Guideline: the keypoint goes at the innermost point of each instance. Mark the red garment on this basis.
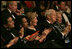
(28, 4)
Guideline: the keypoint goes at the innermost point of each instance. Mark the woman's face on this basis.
(59, 18)
(34, 21)
(24, 21)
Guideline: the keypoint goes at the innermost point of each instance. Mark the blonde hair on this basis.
(32, 16)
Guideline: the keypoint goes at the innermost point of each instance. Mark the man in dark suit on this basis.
(9, 35)
(49, 33)
(52, 35)
(11, 8)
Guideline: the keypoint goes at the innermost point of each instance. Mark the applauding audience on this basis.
(32, 24)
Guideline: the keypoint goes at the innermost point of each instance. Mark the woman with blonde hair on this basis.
(32, 32)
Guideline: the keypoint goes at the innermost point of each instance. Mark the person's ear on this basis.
(10, 5)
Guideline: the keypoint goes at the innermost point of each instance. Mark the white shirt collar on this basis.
(48, 21)
(9, 10)
(32, 28)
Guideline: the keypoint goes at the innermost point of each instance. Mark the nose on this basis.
(36, 20)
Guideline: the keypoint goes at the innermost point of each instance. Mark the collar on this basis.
(48, 21)
(32, 28)
(8, 29)
(9, 10)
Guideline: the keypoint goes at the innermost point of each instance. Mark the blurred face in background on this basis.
(13, 6)
(62, 6)
(68, 3)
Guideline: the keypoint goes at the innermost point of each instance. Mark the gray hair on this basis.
(49, 12)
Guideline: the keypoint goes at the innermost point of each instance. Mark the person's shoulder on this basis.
(5, 10)
(45, 23)
(3, 28)
(3, 31)
(26, 30)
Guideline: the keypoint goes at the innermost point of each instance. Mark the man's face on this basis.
(24, 21)
(53, 16)
(59, 18)
(14, 6)
(10, 23)
(62, 5)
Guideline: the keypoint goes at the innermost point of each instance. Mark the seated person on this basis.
(21, 8)
(50, 19)
(31, 32)
(11, 9)
(64, 30)
(8, 32)
(59, 20)
(21, 24)
(49, 32)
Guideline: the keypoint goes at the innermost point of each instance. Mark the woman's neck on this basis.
(32, 27)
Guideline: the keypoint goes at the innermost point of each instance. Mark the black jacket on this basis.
(6, 12)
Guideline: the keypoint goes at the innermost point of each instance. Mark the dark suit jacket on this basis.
(6, 12)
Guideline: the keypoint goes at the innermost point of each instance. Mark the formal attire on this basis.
(30, 44)
(9, 12)
(54, 38)
(8, 34)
